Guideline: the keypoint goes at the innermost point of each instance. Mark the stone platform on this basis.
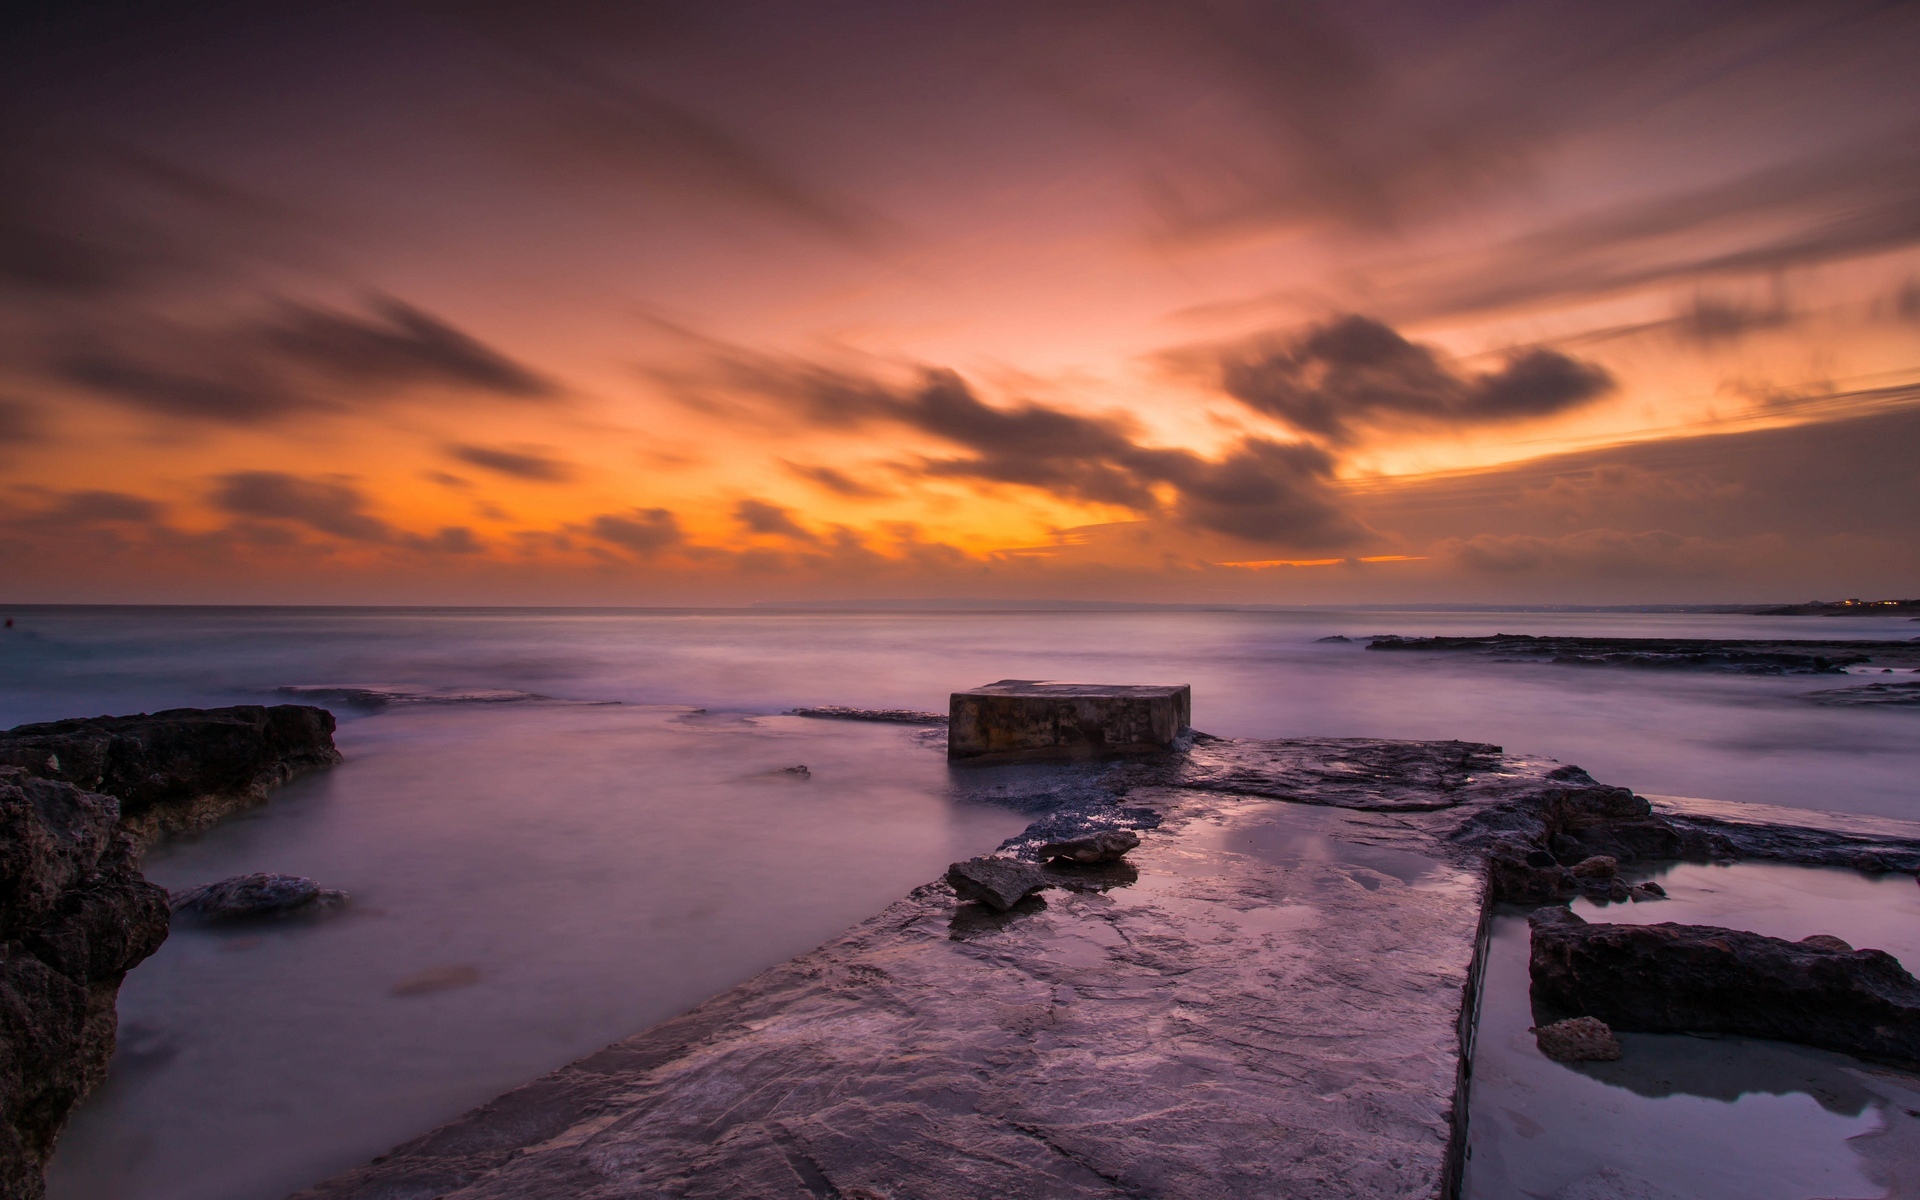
(1274, 999)
(1022, 719)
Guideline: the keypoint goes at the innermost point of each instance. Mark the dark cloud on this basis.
(1354, 373)
(231, 393)
(1261, 490)
(521, 464)
(93, 507)
(645, 531)
(299, 360)
(837, 482)
(395, 345)
(327, 506)
(451, 539)
(758, 516)
(20, 422)
(1712, 319)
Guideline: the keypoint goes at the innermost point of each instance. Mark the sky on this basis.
(1219, 301)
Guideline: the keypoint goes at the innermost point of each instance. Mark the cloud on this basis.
(1354, 373)
(92, 507)
(451, 539)
(395, 345)
(758, 516)
(1261, 490)
(327, 506)
(646, 532)
(20, 422)
(524, 463)
(297, 360)
(837, 482)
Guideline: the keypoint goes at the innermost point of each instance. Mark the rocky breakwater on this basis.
(180, 770)
(78, 801)
(75, 917)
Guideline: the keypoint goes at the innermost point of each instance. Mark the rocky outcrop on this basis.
(178, 770)
(1703, 979)
(1577, 1039)
(1750, 656)
(247, 897)
(888, 716)
(998, 883)
(1106, 846)
(75, 916)
(1017, 720)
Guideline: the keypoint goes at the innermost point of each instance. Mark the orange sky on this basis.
(1252, 302)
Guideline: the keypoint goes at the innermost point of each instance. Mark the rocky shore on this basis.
(78, 801)
(1271, 995)
(1746, 656)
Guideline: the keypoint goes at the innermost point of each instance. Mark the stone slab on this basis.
(1021, 719)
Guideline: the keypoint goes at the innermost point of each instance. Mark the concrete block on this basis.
(1027, 719)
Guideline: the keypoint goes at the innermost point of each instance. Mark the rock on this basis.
(1826, 941)
(798, 771)
(1598, 866)
(1641, 892)
(1018, 719)
(257, 895)
(75, 916)
(1334, 638)
(178, 770)
(998, 883)
(1577, 1039)
(1770, 656)
(1519, 874)
(1673, 978)
(891, 716)
(1109, 845)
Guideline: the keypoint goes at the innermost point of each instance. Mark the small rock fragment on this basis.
(260, 894)
(1646, 891)
(1618, 891)
(1578, 1039)
(998, 883)
(1109, 845)
(798, 772)
(1597, 866)
(1826, 941)
(1651, 886)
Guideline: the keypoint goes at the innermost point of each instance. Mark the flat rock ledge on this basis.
(180, 770)
(1270, 997)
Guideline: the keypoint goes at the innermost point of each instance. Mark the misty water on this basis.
(533, 878)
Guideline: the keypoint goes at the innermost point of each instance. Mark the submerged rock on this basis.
(178, 770)
(1672, 978)
(998, 883)
(75, 916)
(889, 716)
(1109, 845)
(257, 895)
(1577, 1039)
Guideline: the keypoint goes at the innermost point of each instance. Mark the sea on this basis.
(565, 825)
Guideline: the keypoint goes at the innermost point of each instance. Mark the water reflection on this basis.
(1681, 1116)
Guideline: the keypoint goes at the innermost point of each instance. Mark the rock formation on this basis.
(1577, 1039)
(998, 883)
(75, 916)
(1106, 846)
(1771, 656)
(182, 769)
(1702, 979)
(1024, 720)
(244, 897)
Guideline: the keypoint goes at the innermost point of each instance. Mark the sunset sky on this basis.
(654, 303)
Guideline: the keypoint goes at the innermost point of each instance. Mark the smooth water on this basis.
(534, 879)
(1695, 1118)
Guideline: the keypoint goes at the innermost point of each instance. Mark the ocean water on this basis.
(535, 877)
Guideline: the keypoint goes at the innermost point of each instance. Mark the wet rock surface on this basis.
(1778, 656)
(179, 770)
(75, 916)
(1672, 978)
(1267, 997)
(250, 897)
